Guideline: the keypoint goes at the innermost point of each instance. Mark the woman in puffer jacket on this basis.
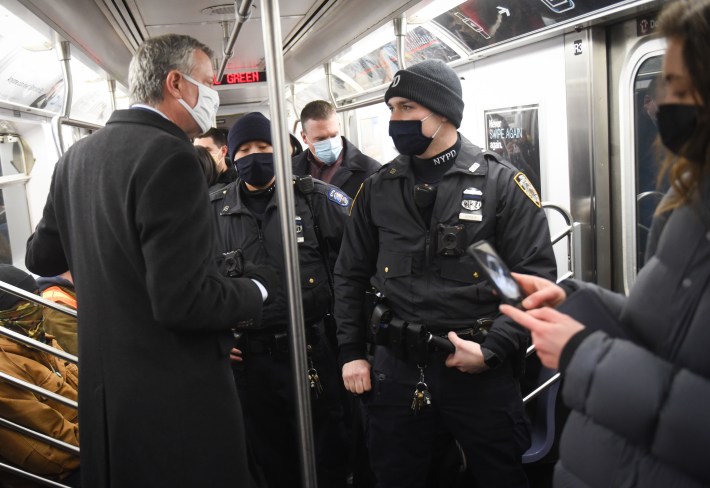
(640, 404)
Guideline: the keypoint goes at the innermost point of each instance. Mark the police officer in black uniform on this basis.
(250, 231)
(410, 226)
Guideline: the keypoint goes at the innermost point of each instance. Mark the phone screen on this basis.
(498, 273)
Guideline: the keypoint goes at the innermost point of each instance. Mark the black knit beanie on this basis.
(433, 84)
(15, 277)
(251, 127)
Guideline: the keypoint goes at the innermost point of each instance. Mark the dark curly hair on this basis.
(688, 21)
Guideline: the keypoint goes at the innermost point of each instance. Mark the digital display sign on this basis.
(242, 78)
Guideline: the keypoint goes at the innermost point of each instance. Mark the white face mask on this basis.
(206, 107)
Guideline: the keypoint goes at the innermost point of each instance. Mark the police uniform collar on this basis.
(471, 160)
(397, 168)
(233, 200)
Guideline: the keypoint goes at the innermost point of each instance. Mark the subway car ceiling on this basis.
(348, 34)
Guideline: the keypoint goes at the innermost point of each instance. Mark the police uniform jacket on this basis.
(640, 406)
(239, 229)
(355, 168)
(128, 213)
(387, 244)
(40, 414)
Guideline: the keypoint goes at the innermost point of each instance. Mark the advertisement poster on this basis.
(514, 134)
(482, 23)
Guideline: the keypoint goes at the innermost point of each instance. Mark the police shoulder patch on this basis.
(338, 197)
(524, 184)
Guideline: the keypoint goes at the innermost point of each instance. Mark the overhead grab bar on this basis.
(328, 68)
(243, 13)
(64, 56)
(400, 32)
(112, 92)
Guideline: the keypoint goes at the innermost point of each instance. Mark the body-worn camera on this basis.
(451, 240)
(424, 195)
(233, 263)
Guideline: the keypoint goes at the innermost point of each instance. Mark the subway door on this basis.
(515, 105)
(587, 133)
(635, 60)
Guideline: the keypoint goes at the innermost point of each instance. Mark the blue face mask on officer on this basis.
(328, 151)
(408, 137)
(257, 169)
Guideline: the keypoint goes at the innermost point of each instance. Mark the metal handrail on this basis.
(30, 476)
(568, 232)
(39, 436)
(58, 121)
(31, 297)
(554, 379)
(273, 55)
(38, 390)
(27, 341)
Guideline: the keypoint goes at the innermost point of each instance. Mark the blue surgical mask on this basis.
(408, 137)
(328, 150)
(257, 169)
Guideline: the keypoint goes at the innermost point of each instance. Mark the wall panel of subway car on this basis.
(564, 90)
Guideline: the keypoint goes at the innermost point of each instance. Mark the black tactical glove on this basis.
(264, 275)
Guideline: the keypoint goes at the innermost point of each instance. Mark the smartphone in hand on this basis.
(498, 273)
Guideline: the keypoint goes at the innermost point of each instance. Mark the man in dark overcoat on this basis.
(128, 214)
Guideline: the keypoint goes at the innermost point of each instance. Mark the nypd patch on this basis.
(338, 197)
(524, 184)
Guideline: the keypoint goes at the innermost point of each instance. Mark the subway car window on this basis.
(30, 74)
(91, 101)
(649, 152)
(15, 163)
(372, 62)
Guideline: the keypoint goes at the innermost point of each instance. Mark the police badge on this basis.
(299, 230)
(472, 204)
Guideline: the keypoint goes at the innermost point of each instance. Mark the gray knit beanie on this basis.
(433, 84)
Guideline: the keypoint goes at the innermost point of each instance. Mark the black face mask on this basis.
(408, 138)
(676, 124)
(257, 169)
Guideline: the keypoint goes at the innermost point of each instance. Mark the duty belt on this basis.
(408, 340)
(271, 341)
